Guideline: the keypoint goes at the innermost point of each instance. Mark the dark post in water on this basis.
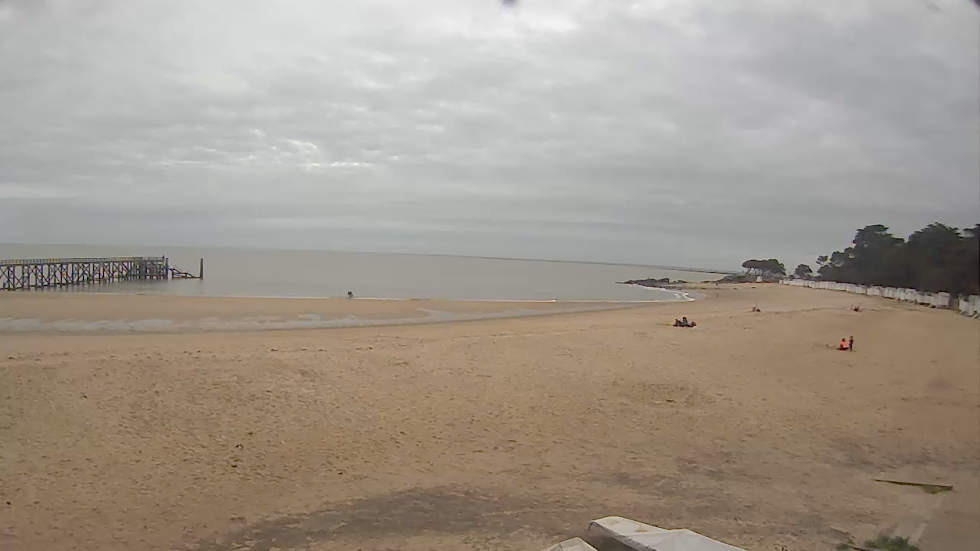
(200, 274)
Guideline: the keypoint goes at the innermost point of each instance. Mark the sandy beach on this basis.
(89, 313)
(504, 433)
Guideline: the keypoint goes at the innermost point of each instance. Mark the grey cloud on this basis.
(663, 132)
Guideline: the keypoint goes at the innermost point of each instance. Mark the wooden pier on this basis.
(40, 273)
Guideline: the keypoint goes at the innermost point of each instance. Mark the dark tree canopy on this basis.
(768, 267)
(803, 271)
(936, 258)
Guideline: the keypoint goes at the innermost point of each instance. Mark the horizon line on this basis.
(449, 255)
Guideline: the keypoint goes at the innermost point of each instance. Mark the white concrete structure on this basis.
(972, 305)
(574, 544)
(644, 537)
(968, 306)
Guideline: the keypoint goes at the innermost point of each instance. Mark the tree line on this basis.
(767, 267)
(936, 258)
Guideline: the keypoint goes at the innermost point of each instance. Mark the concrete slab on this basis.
(574, 544)
(644, 537)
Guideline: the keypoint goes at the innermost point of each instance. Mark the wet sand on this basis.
(55, 312)
(490, 434)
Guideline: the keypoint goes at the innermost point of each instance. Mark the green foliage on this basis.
(895, 543)
(738, 278)
(935, 258)
(768, 267)
(881, 543)
(803, 271)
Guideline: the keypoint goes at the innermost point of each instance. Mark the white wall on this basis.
(968, 306)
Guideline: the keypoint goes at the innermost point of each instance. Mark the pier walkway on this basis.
(39, 273)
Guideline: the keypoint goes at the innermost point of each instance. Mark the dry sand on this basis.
(493, 434)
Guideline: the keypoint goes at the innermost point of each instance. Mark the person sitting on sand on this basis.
(843, 344)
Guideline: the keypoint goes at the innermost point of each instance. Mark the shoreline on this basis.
(92, 313)
(681, 294)
(676, 291)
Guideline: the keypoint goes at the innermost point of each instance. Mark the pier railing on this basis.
(38, 273)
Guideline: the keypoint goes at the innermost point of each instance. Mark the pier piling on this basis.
(39, 273)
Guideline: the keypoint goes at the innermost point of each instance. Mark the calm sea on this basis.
(289, 273)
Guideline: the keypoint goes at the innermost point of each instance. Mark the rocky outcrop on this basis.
(651, 282)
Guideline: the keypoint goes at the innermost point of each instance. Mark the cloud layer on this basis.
(672, 132)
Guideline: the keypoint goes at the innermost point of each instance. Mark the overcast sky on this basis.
(670, 132)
